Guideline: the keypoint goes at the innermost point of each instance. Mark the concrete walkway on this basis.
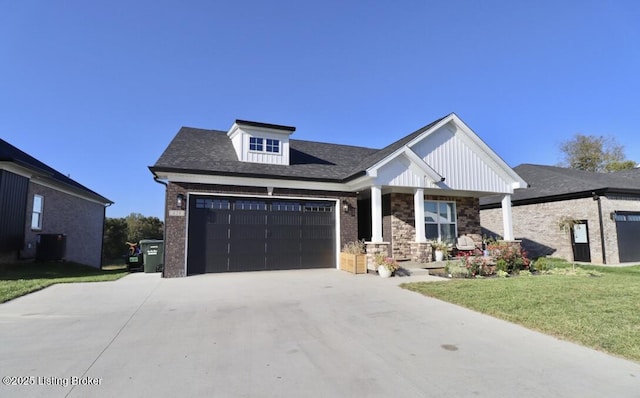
(315, 333)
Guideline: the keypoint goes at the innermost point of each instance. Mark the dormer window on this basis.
(270, 145)
(261, 142)
(273, 146)
(255, 144)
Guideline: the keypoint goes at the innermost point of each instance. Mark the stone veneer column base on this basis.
(421, 252)
(512, 243)
(374, 248)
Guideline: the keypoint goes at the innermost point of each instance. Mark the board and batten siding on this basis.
(463, 164)
(13, 210)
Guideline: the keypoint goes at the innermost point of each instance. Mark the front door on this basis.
(580, 241)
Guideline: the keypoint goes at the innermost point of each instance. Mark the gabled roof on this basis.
(200, 151)
(9, 153)
(551, 183)
(211, 152)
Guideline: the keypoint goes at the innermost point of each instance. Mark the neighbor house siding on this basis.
(537, 225)
(176, 226)
(81, 220)
(13, 199)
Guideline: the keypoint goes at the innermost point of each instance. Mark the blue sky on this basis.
(97, 89)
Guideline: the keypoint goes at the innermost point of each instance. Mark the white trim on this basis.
(336, 210)
(376, 214)
(57, 187)
(418, 209)
(254, 182)
(468, 136)
(518, 182)
(507, 218)
(412, 157)
(15, 169)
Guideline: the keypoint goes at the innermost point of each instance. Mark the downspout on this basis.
(602, 240)
(104, 218)
(164, 224)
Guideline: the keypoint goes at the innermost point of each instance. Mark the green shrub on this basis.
(543, 264)
(456, 269)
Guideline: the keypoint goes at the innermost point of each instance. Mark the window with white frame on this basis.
(273, 146)
(36, 214)
(258, 144)
(440, 221)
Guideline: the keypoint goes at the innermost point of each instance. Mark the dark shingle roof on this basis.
(550, 183)
(202, 151)
(9, 153)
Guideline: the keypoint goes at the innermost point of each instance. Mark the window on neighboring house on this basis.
(273, 146)
(440, 221)
(255, 144)
(36, 215)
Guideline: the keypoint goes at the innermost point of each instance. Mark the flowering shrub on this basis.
(509, 258)
(503, 258)
(387, 262)
(477, 265)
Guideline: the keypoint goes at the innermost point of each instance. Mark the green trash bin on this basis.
(153, 254)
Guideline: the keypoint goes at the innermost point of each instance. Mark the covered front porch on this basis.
(426, 187)
(403, 223)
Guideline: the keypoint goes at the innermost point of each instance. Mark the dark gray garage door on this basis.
(247, 234)
(628, 228)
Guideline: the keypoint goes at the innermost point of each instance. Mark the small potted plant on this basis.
(386, 266)
(440, 249)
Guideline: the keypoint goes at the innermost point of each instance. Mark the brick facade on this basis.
(537, 226)
(399, 224)
(82, 221)
(176, 225)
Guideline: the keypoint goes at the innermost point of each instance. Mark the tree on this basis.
(115, 236)
(141, 227)
(595, 153)
(133, 228)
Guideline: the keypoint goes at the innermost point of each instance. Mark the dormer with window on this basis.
(261, 142)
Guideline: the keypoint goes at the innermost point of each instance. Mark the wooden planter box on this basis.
(354, 263)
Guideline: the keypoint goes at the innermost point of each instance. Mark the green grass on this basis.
(22, 278)
(599, 312)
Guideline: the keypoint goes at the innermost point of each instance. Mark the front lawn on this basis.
(21, 278)
(602, 312)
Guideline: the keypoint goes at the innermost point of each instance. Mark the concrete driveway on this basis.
(315, 333)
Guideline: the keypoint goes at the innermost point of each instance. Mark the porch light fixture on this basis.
(179, 201)
(345, 206)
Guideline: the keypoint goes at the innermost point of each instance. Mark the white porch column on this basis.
(418, 209)
(507, 218)
(376, 214)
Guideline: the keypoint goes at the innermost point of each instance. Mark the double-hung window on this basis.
(36, 214)
(440, 221)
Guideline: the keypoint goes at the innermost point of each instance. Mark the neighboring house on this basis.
(251, 198)
(600, 213)
(36, 199)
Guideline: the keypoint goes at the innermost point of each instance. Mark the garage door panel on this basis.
(245, 234)
(628, 231)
